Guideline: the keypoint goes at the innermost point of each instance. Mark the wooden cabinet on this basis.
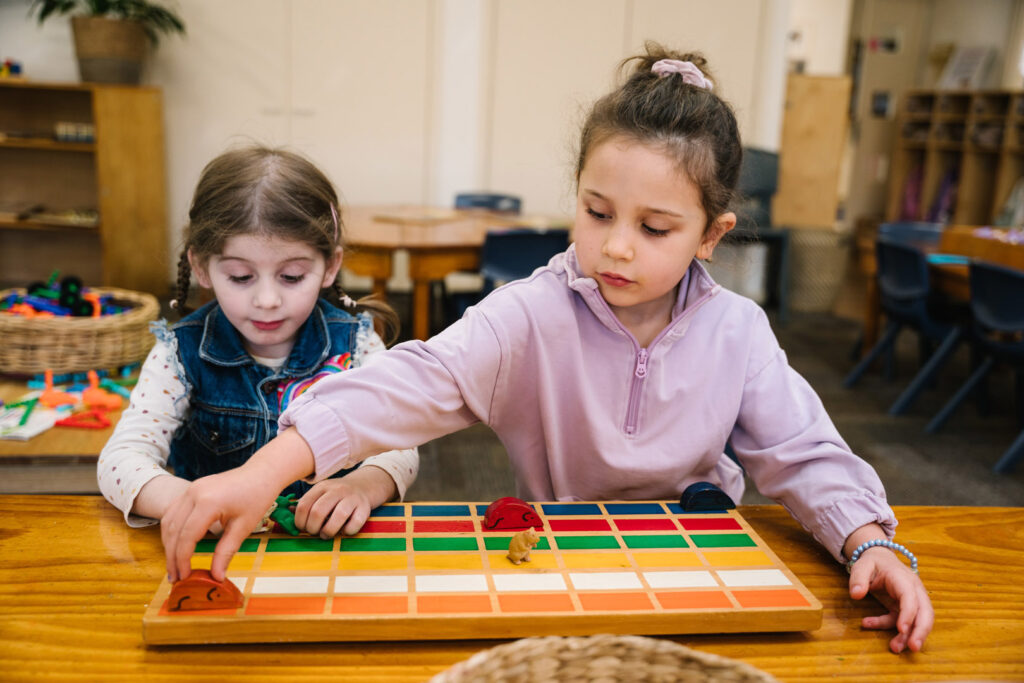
(957, 155)
(91, 203)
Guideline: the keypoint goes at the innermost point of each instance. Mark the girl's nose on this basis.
(266, 296)
(617, 243)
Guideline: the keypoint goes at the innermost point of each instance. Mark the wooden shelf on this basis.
(985, 173)
(119, 177)
(47, 144)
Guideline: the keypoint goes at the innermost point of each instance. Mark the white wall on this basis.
(412, 101)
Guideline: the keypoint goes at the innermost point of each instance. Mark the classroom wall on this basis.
(412, 101)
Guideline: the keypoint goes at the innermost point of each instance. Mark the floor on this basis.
(953, 467)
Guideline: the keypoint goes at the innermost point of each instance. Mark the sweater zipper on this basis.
(633, 408)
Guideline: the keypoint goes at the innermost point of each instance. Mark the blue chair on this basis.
(502, 203)
(997, 335)
(907, 301)
(758, 182)
(513, 254)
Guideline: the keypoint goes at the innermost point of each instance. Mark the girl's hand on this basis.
(237, 499)
(234, 501)
(342, 505)
(900, 590)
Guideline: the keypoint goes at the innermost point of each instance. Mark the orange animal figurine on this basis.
(199, 591)
(521, 544)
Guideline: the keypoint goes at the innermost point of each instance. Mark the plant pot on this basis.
(109, 50)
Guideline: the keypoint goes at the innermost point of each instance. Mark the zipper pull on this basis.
(641, 364)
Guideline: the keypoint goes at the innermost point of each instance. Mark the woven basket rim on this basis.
(145, 304)
(558, 658)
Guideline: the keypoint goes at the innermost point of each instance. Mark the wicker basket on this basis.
(598, 658)
(62, 344)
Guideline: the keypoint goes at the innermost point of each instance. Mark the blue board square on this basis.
(440, 511)
(388, 511)
(571, 509)
(634, 508)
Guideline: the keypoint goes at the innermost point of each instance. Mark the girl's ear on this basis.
(202, 276)
(721, 225)
(333, 266)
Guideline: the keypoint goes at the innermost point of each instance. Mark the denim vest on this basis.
(233, 401)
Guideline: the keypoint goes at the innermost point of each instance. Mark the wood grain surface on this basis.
(75, 582)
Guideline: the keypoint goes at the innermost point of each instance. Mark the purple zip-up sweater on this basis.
(585, 413)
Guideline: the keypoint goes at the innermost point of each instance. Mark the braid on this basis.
(184, 282)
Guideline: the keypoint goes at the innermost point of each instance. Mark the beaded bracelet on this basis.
(885, 544)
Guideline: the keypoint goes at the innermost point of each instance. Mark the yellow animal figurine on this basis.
(521, 544)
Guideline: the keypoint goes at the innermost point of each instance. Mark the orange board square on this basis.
(771, 598)
(370, 604)
(285, 605)
(541, 602)
(606, 602)
(453, 604)
(694, 600)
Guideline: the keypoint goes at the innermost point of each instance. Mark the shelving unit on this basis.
(93, 208)
(974, 139)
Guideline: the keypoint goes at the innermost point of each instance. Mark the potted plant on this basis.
(111, 35)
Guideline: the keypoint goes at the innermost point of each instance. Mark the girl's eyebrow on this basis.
(649, 209)
(245, 260)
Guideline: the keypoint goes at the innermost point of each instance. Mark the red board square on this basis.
(431, 526)
(710, 524)
(390, 526)
(579, 525)
(645, 524)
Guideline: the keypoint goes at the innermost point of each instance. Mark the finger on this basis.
(923, 624)
(305, 504)
(881, 622)
(193, 529)
(898, 643)
(356, 520)
(860, 578)
(229, 543)
(169, 527)
(342, 512)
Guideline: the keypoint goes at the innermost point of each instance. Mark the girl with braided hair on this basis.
(265, 235)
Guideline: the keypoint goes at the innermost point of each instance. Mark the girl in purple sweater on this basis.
(618, 371)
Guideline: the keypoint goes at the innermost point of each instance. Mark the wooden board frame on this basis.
(621, 570)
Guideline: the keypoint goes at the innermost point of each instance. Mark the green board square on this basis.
(300, 545)
(586, 542)
(372, 544)
(501, 543)
(453, 543)
(249, 545)
(722, 541)
(656, 541)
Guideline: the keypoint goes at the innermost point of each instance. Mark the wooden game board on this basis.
(431, 571)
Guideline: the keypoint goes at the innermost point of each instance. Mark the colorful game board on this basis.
(432, 571)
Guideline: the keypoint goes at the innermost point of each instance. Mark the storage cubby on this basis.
(83, 186)
(962, 150)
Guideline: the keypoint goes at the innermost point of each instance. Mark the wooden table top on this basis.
(60, 444)
(426, 227)
(75, 581)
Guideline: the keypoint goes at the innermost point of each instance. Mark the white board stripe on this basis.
(289, 585)
(452, 583)
(595, 581)
(754, 577)
(370, 584)
(529, 582)
(697, 579)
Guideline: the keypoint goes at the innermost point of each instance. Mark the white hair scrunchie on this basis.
(688, 70)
